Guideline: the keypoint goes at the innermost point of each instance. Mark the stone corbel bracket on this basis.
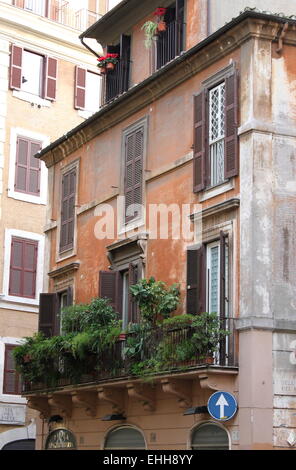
(181, 391)
(63, 403)
(217, 381)
(40, 404)
(112, 396)
(87, 400)
(146, 397)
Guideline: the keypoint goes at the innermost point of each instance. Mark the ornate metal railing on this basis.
(60, 12)
(169, 348)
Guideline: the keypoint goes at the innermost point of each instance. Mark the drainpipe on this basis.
(88, 47)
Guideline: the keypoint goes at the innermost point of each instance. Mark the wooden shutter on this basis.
(124, 64)
(196, 281)
(23, 267)
(68, 210)
(69, 296)
(108, 287)
(50, 79)
(11, 379)
(231, 126)
(223, 242)
(48, 310)
(16, 67)
(27, 172)
(134, 146)
(80, 84)
(134, 276)
(200, 145)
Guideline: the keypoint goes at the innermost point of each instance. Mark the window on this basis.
(124, 437)
(23, 267)
(170, 43)
(87, 90)
(133, 177)
(27, 169)
(114, 285)
(68, 210)
(35, 6)
(207, 278)
(215, 132)
(117, 80)
(33, 73)
(209, 436)
(11, 380)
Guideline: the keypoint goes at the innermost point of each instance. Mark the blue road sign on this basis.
(222, 406)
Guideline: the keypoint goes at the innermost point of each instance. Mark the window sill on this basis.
(26, 197)
(30, 98)
(216, 190)
(19, 300)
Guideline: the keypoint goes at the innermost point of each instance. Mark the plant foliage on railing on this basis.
(88, 330)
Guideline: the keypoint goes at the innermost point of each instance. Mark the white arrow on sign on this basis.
(222, 403)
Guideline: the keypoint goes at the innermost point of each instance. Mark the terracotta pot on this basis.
(103, 70)
(110, 66)
(161, 26)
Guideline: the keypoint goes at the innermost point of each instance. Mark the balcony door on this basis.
(170, 43)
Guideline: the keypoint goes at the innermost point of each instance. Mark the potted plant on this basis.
(150, 28)
(159, 14)
(111, 60)
(102, 65)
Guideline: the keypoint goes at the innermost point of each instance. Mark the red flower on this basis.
(160, 11)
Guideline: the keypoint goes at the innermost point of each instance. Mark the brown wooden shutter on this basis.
(23, 267)
(48, 310)
(27, 172)
(68, 210)
(80, 84)
(108, 286)
(196, 281)
(231, 126)
(16, 67)
(50, 79)
(223, 238)
(11, 379)
(200, 145)
(134, 146)
(133, 310)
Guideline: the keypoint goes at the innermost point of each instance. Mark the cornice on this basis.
(69, 268)
(168, 77)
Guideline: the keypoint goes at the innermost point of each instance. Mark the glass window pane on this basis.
(209, 436)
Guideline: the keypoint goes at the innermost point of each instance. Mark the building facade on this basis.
(41, 62)
(198, 131)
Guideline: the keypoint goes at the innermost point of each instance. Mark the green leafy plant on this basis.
(88, 332)
(150, 29)
(155, 299)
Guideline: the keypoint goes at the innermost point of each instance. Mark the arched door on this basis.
(124, 437)
(209, 436)
(22, 444)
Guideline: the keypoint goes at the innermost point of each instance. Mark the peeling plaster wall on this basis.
(268, 243)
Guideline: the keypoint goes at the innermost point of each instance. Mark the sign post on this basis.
(222, 406)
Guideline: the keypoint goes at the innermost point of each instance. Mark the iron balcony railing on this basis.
(116, 81)
(170, 43)
(60, 11)
(167, 345)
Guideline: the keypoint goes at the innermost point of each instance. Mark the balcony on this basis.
(169, 44)
(60, 12)
(153, 352)
(116, 81)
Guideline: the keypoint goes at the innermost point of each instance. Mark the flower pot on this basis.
(103, 70)
(122, 337)
(161, 26)
(110, 66)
